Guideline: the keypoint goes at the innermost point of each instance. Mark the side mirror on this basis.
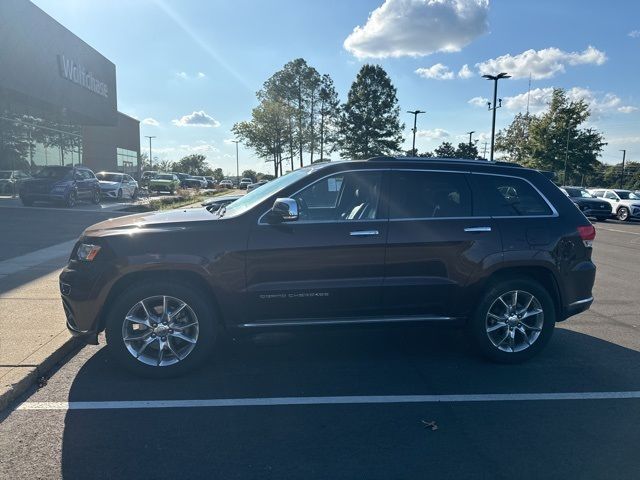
(284, 210)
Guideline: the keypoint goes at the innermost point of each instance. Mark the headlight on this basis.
(87, 252)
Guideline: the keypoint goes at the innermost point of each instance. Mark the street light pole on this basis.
(470, 135)
(415, 114)
(624, 154)
(566, 156)
(150, 157)
(237, 161)
(495, 79)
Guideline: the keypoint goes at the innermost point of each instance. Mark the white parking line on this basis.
(616, 230)
(287, 401)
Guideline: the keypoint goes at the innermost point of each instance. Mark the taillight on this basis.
(587, 234)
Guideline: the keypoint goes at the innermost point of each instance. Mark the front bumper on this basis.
(109, 193)
(81, 299)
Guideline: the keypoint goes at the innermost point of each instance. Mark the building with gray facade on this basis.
(58, 98)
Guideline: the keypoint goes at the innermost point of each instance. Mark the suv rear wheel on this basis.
(514, 321)
(160, 329)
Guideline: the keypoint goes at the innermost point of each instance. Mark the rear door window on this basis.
(502, 196)
(427, 194)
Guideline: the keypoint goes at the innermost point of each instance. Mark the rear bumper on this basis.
(578, 306)
(578, 285)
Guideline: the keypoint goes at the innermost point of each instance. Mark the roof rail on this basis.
(440, 159)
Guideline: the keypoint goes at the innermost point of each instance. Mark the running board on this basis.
(307, 322)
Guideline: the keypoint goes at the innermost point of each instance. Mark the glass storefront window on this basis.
(127, 161)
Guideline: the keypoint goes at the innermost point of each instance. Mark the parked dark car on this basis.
(10, 181)
(63, 185)
(211, 182)
(589, 205)
(383, 241)
(214, 203)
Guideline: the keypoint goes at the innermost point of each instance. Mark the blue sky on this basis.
(189, 61)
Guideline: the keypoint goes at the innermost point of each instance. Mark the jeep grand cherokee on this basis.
(388, 240)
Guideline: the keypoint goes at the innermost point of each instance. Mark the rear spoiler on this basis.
(549, 174)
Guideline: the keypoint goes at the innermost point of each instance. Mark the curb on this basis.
(37, 365)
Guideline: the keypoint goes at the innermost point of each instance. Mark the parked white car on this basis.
(624, 203)
(117, 185)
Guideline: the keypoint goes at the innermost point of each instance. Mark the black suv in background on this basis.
(589, 205)
(388, 240)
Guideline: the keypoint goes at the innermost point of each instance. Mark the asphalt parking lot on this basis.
(357, 404)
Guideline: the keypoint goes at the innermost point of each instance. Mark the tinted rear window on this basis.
(416, 194)
(508, 196)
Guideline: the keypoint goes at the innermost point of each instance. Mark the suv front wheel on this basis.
(514, 321)
(623, 214)
(160, 329)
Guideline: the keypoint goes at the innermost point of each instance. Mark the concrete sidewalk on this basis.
(33, 335)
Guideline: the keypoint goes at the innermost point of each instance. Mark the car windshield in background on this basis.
(5, 175)
(57, 173)
(109, 177)
(258, 195)
(627, 195)
(578, 193)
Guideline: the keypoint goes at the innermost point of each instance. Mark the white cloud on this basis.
(200, 147)
(478, 101)
(150, 121)
(465, 72)
(434, 134)
(186, 76)
(437, 71)
(541, 63)
(229, 141)
(539, 99)
(416, 28)
(634, 33)
(196, 119)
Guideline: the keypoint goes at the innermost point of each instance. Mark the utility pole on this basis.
(470, 135)
(150, 157)
(237, 162)
(624, 154)
(495, 79)
(566, 155)
(415, 114)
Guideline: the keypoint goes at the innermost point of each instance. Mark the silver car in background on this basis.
(624, 203)
(117, 185)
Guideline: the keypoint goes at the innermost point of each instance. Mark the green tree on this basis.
(217, 174)
(164, 166)
(328, 111)
(467, 150)
(548, 140)
(445, 150)
(194, 164)
(370, 120)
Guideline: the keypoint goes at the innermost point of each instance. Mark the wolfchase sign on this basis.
(79, 75)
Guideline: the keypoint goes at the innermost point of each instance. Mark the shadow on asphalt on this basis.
(559, 439)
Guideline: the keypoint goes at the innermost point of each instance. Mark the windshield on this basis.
(56, 173)
(5, 174)
(625, 195)
(578, 193)
(109, 177)
(254, 197)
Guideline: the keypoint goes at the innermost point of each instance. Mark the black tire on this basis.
(95, 199)
(26, 201)
(206, 336)
(119, 195)
(135, 195)
(171, 192)
(623, 214)
(71, 200)
(478, 323)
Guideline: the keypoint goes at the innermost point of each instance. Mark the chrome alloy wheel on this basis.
(160, 330)
(514, 321)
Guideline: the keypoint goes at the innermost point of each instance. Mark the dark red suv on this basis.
(387, 240)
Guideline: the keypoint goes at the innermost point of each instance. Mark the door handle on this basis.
(477, 229)
(364, 233)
